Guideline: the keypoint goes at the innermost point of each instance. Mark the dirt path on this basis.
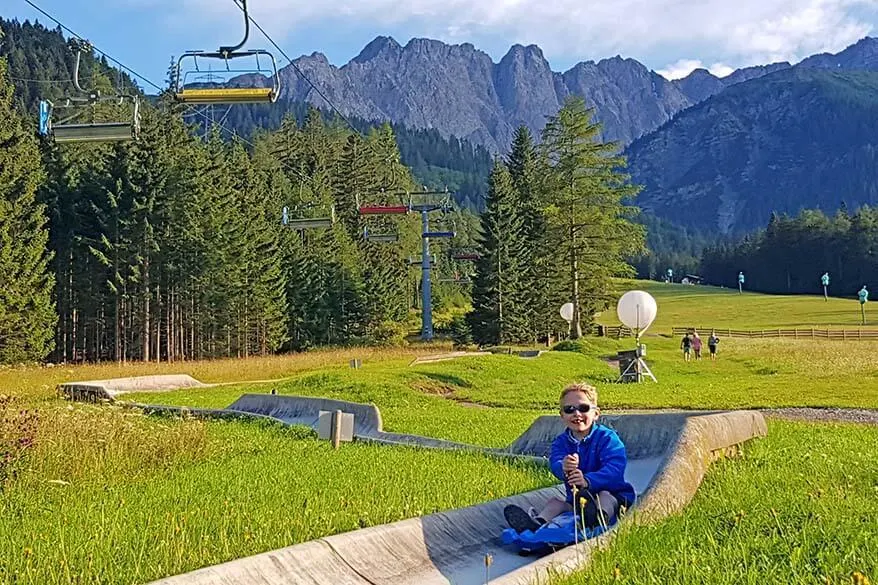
(857, 415)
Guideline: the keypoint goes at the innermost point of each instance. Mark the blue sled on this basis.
(556, 534)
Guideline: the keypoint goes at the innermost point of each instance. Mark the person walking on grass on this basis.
(712, 342)
(696, 344)
(686, 346)
(590, 459)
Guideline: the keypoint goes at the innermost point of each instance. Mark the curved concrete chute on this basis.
(668, 456)
(107, 390)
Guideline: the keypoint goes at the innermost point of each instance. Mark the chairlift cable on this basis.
(49, 81)
(158, 87)
(105, 54)
(147, 80)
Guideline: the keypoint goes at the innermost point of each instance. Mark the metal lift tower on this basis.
(443, 205)
(441, 202)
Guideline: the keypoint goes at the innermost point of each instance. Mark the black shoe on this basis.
(591, 516)
(519, 520)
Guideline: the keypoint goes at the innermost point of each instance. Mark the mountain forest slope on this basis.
(797, 138)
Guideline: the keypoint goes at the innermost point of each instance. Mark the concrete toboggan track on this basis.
(669, 453)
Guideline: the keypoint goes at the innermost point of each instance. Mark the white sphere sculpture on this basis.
(637, 310)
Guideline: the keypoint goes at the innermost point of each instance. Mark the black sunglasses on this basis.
(570, 409)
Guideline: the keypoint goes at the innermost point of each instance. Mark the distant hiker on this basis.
(712, 342)
(696, 345)
(587, 457)
(686, 345)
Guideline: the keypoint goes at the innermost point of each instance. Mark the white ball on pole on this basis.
(637, 310)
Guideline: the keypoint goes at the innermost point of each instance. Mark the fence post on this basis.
(336, 429)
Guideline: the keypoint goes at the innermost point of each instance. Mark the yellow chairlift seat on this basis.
(186, 89)
(227, 95)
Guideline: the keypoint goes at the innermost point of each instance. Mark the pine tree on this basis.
(524, 169)
(27, 314)
(499, 314)
(587, 216)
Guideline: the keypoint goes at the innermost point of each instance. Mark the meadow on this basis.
(683, 305)
(107, 495)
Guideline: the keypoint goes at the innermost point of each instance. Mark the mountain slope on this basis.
(797, 138)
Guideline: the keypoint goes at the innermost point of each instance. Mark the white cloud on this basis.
(741, 32)
(684, 67)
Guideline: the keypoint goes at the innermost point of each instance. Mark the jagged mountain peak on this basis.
(701, 73)
(459, 89)
(316, 57)
(378, 46)
(519, 50)
(619, 60)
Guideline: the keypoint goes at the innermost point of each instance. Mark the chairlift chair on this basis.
(419, 261)
(439, 234)
(69, 129)
(240, 94)
(304, 223)
(427, 201)
(464, 255)
(382, 208)
(388, 237)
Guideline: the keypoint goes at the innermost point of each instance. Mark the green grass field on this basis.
(167, 495)
(682, 305)
(798, 507)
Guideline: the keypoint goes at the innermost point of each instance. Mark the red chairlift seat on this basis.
(383, 209)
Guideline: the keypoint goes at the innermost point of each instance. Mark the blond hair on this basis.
(590, 391)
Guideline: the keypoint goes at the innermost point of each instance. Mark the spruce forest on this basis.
(791, 253)
(171, 247)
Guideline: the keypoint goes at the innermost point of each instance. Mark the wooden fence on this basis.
(614, 331)
(798, 333)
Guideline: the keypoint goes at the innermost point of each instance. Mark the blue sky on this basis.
(669, 36)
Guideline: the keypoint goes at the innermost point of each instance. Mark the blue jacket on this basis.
(602, 460)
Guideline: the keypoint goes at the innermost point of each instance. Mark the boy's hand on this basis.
(571, 463)
(575, 478)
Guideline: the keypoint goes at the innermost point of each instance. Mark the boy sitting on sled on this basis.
(590, 459)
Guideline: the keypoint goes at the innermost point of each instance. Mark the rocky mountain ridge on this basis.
(460, 91)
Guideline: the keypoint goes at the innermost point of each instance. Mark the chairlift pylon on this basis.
(412, 261)
(68, 129)
(240, 94)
